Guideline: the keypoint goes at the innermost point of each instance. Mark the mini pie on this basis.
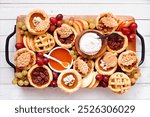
(24, 58)
(65, 36)
(90, 44)
(107, 64)
(119, 83)
(83, 66)
(107, 23)
(128, 61)
(40, 76)
(69, 81)
(117, 42)
(37, 22)
(42, 43)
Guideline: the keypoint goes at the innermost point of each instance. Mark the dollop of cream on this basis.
(90, 43)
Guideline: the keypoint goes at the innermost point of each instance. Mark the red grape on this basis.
(53, 20)
(46, 61)
(55, 75)
(99, 77)
(53, 83)
(52, 28)
(133, 26)
(19, 46)
(39, 61)
(125, 31)
(105, 79)
(40, 54)
(59, 23)
(59, 17)
(104, 84)
(131, 37)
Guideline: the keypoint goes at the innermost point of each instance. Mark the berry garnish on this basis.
(59, 17)
(53, 20)
(55, 75)
(39, 61)
(19, 46)
(46, 61)
(99, 77)
(125, 31)
(131, 37)
(133, 26)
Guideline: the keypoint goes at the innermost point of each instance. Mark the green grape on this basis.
(24, 28)
(26, 33)
(20, 82)
(24, 72)
(21, 32)
(14, 81)
(92, 25)
(91, 20)
(72, 52)
(26, 82)
(18, 74)
(20, 24)
(86, 27)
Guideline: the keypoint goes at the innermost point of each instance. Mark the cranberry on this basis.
(99, 77)
(125, 31)
(59, 23)
(131, 37)
(105, 79)
(19, 46)
(53, 20)
(53, 83)
(59, 17)
(46, 61)
(133, 26)
(55, 75)
(52, 28)
(39, 61)
(40, 54)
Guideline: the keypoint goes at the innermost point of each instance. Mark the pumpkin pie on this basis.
(107, 64)
(119, 83)
(37, 22)
(117, 42)
(107, 23)
(40, 76)
(24, 58)
(69, 81)
(65, 36)
(128, 61)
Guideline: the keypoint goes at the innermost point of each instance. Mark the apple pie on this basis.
(69, 81)
(37, 22)
(128, 61)
(107, 64)
(24, 58)
(65, 36)
(107, 23)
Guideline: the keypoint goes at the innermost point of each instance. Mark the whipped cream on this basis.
(90, 43)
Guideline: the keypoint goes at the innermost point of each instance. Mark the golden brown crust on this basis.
(42, 86)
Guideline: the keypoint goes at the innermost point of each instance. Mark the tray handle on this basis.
(7, 48)
(142, 49)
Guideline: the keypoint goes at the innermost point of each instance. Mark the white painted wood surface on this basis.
(10, 9)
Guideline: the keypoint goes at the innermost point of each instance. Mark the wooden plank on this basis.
(139, 91)
(71, 1)
(139, 10)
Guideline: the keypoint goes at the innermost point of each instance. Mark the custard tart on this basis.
(107, 64)
(69, 81)
(90, 44)
(65, 36)
(128, 61)
(107, 23)
(24, 58)
(117, 42)
(37, 22)
(40, 76)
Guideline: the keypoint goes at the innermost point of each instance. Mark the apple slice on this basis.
(25, 42)
(96, 84)
(94, 80)
(85, 24)
(79, 24)
(76, 27)
(87, 80)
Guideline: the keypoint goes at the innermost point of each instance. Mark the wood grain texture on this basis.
(10, 9)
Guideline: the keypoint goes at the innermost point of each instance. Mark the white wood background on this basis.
(10, 9)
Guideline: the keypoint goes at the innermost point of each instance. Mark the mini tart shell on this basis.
(101, 51)
(65, 45)
(30, 77)
(124, 68)
(78, 78)
(102, 15)
(101, 71)
(125, 45)
(37, 12)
